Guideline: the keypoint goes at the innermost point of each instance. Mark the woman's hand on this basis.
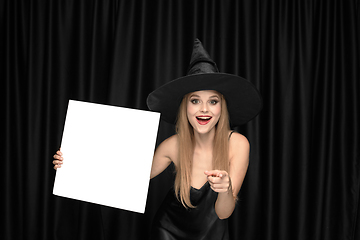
(219, 181)
(58, 160)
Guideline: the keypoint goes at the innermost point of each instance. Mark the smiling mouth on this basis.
(203, 120)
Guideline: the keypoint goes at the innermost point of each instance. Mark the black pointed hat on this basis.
(243, 99)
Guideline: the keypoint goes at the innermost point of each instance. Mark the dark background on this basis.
(303, 180)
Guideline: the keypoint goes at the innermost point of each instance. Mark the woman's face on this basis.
(204, 110)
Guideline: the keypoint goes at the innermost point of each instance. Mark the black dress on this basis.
(174, 222)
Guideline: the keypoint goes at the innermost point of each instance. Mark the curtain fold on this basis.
(303, 181)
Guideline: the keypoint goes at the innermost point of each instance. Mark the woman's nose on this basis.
(203, 107)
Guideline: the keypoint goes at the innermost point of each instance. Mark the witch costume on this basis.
(173, 221)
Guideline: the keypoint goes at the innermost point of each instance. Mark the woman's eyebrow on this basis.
(213, 96)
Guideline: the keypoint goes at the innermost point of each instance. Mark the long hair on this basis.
(186, 146)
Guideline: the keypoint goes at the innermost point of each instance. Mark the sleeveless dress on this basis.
(174, 222)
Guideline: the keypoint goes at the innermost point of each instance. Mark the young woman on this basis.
(210, 160)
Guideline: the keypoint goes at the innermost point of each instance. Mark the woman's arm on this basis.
(228, 184)
(165, 153)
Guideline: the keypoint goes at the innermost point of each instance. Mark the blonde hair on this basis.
(186, 146)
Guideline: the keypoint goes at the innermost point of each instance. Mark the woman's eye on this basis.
(195, 101)
(213, 102)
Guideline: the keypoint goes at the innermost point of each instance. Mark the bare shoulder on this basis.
(238, 146)
(238, 139)
(169, 147)
(239, 149)
(165, 153)
(170, 141)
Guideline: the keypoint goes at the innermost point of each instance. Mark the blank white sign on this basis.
(107, 154)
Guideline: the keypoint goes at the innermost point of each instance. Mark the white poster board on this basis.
(107, 153)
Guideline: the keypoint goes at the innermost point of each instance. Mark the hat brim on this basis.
(243, 100)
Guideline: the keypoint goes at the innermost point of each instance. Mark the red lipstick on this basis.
(203, 119)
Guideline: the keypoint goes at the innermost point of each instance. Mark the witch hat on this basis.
(243, 99)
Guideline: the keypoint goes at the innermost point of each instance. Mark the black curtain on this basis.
(303, 181)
